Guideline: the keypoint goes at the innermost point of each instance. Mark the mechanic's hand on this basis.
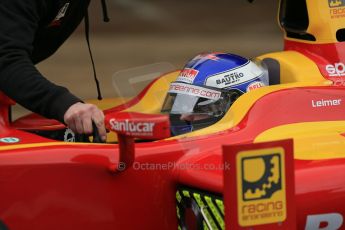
(79, 119)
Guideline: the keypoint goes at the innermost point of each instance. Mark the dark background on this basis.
(143, 32)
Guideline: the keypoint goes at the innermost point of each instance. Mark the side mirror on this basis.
(130, 126)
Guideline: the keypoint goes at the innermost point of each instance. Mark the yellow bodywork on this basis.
(312, 140)
(325, 19)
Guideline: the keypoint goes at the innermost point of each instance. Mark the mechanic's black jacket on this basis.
(31, 31)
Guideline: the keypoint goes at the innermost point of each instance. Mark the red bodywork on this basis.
(46, 184)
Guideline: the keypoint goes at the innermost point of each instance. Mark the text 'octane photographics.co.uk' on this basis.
(176, 166)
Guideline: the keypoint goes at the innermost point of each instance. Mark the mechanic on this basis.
(31, 31)
(206, 88)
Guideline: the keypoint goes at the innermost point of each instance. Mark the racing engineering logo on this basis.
(261, 187)
(265, 180)
(335, 3)
(337, 9)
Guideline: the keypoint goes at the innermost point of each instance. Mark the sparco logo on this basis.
(336, 70)
(127, 126)
(230, 78)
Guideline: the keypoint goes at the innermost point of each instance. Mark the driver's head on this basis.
(206, 88)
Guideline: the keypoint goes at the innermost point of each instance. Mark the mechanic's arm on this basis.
(21, 81)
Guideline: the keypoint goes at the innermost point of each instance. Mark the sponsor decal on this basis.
(140, 128)
(255, 85)
(193, 90)
(226, 79)
(338, 81)
(61, 14)
(325, 103)
(337, 8)
(335, 3)
(9, 140)
(261, 187)
(187, 75)
(336, 70)
(69, 136)
(230, 78)
(235, 77)
(330, 220)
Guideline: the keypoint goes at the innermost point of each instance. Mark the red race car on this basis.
(274, 160)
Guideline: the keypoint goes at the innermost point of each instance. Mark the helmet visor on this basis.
(189, 99)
